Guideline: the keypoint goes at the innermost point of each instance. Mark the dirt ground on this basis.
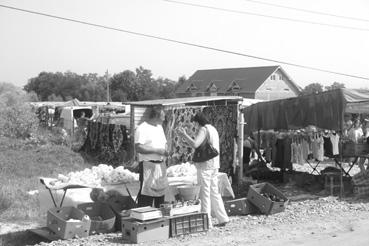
(310, 222)
(310, 218)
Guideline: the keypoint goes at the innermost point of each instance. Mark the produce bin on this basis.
(68, 222)
(265, 204)
(240, 206)
(101, 215)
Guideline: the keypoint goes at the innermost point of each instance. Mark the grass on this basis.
(21, 165)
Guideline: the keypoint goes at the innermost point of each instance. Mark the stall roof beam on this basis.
(186, 101)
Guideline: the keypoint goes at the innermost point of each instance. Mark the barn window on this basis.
(272, 77)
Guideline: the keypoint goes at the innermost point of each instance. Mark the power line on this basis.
(308, 11)
(267, 16)
(181, 42)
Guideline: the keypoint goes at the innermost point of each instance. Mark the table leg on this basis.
(353, 163)
(343, 170)
(62, 200)
(61, 203)
(52, 197)
(314, 168)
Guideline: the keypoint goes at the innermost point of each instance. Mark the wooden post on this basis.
(107, 86)
(240, 146)
(132, 133)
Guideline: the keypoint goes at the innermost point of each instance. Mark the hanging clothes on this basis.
(320, 148)
(328, 148)
(305, 149)
(335, 138)
(283, 153)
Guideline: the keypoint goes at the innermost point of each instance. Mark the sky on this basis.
(30, 44)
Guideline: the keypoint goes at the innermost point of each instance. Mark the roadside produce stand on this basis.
(103, 185)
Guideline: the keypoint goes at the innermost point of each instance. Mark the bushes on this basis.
(5, 201)
(17, 119)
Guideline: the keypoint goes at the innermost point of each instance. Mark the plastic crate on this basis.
(188, 224)
(264, 204)
(120, 205)
(68, 222)
(101, 215)
(240, 206)
(136, 231)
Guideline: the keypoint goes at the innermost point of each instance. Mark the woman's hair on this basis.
(201, 119)
(357, 121)
(154, 111)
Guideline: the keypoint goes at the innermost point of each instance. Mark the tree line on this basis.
(124, 86)
(315, 88)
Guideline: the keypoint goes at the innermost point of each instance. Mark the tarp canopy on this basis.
(73, 102)
(324, 110)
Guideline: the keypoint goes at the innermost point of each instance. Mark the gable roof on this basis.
(248, 78)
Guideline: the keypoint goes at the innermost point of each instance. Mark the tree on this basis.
(54, 98)
(146, 86)
(32, 97)
(312, 89)
(166, 88)
(335, 85)
(123, 87)
(181, 80)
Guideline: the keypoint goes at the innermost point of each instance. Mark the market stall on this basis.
(325, 111)
(223, 113)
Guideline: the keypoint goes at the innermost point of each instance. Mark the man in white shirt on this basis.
(151, 146)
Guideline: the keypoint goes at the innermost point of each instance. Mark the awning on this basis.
(324, 110)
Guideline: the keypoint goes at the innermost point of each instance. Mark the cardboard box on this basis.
(265, 204)
(240, 206)
(101, 215)
(68, 222)
(136, 231)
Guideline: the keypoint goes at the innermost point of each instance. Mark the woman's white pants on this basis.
(211, 200)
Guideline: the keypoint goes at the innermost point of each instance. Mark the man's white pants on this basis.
(211, 200)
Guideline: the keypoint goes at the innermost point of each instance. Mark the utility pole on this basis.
(107, 86)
